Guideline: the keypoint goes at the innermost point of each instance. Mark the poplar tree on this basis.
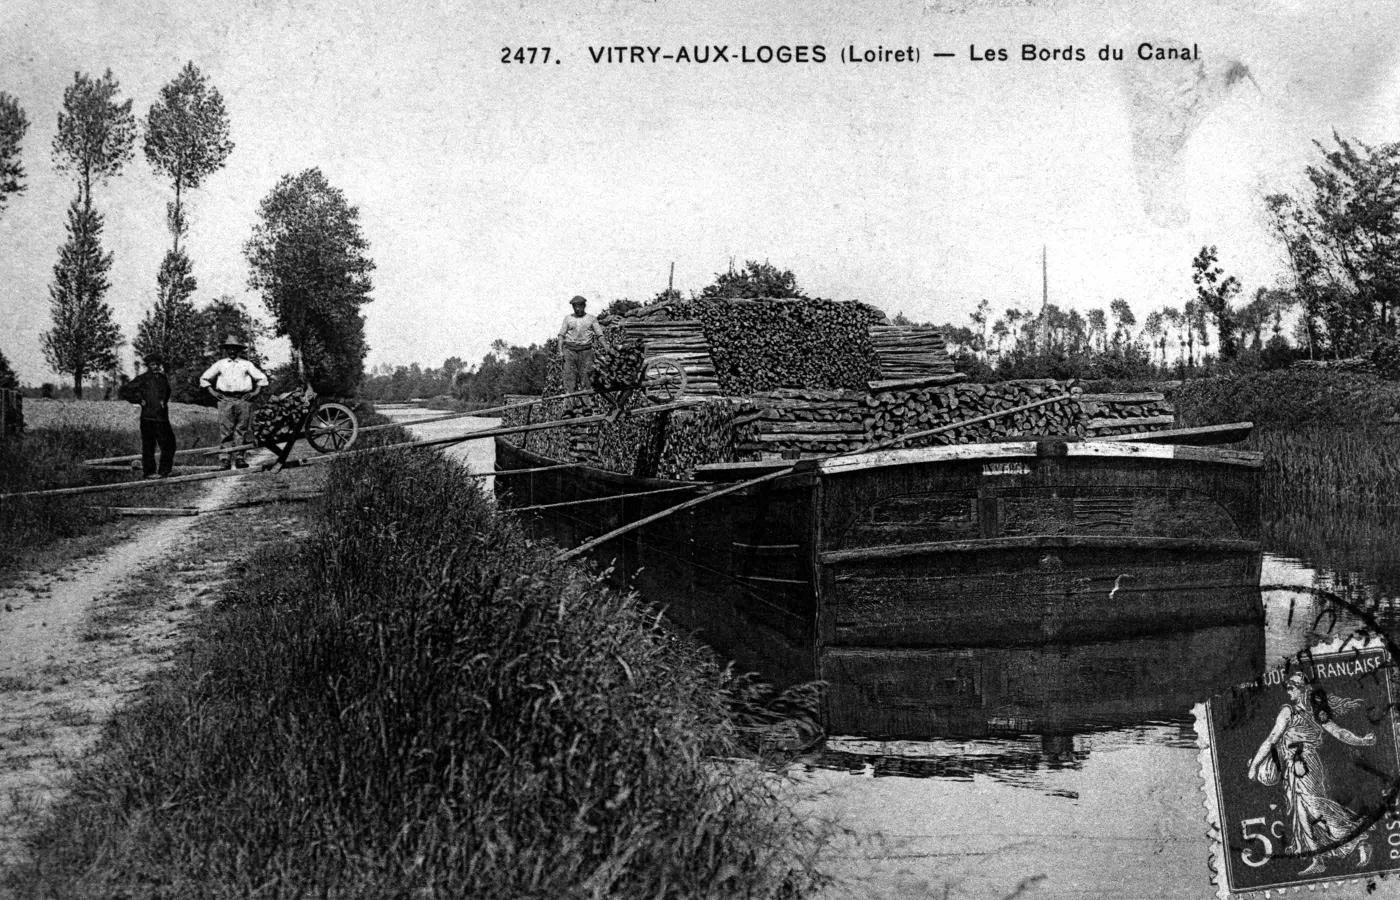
(94, 141)
(187, 139)
(13, 125)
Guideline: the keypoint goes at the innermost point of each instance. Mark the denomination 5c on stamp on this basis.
(1301, 772)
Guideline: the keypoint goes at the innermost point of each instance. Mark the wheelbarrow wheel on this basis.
(332, 427)
(663, 379)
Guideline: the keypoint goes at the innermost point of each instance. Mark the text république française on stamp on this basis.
(1301, 772)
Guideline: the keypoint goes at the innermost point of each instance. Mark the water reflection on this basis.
(994, 711)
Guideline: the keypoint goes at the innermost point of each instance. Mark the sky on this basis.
(490, 192)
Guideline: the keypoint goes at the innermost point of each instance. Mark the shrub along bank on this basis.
(415, 702)
(1324, 434)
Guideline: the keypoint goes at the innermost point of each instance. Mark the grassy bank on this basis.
(51, 456)
(415, 703)
(1323, 433)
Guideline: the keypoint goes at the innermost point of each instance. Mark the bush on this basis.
(1386, 358)
(417, 703)
(1287, 398)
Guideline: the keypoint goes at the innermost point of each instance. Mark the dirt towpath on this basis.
(75, 643)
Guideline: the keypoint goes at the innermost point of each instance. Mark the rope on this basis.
(687, 487)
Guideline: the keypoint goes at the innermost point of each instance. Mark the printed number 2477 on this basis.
(525, 55)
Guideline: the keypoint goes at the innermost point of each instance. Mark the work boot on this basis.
(226, 464)
(242, 464)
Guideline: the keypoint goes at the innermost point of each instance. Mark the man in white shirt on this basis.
(234, 382)
(578, 338)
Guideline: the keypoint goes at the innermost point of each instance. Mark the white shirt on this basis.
(232, 376)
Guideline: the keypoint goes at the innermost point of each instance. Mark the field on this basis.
(42, 532)
(113, 415)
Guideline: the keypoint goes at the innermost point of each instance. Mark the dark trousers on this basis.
(155, 432)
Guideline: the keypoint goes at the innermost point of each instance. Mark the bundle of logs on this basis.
(1110, 414)
(796, 422)
(759, 345)
(910, 351)
(617, 366)
(681, 341)
(892, 413)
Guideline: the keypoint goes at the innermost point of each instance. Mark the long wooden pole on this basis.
(587, 545)
(211, 451)
(317, 460)
(133, 485)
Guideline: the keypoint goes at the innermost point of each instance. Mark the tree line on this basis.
(307, 256)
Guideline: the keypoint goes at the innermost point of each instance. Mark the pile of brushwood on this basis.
(758, 345)
(279, 415)
(617, 366)
(416, 702)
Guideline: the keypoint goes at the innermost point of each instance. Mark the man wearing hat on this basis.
(234, 382)
(151, 391)
(578, 338)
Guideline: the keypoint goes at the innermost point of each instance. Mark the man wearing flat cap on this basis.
(234, 382)
(151, 391)
(579, 337)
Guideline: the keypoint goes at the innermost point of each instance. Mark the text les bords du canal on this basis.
(704, 54)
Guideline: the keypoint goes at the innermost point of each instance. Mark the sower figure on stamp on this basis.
(1321, 826)
(234, 382)
(579, 337)
(151, 391)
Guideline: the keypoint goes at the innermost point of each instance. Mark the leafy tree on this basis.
(1342, 239)
(757, 280)
(1123, 321)
(1154, 328)
(8, 379)
(186, 137)
(95, 132)
(84, 337)
(1214, 290)
(1098, 326)
(308, 258)
(13, 125)
(93, 141)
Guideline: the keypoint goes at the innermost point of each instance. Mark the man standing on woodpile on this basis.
(580, 336)
(151, 391)
(234, 382)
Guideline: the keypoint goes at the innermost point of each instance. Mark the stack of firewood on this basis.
(758, 345)
(1109, 414)
(910, 351)
(890, 414)
(805, 422)
(681, 341)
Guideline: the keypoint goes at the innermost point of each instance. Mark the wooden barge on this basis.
(855, 563)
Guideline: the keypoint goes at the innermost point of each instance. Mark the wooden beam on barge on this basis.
(1040, 542)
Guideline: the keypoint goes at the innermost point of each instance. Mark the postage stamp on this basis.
(1301, 772)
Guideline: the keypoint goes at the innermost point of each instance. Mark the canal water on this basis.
(1093, 790)
(1100, 796)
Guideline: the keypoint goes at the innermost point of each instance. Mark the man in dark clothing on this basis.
(151, 391)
